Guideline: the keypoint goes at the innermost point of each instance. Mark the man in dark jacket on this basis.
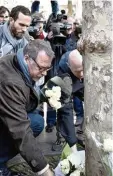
(71, 63)
(17, 99)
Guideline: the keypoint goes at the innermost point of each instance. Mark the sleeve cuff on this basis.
(44, 170)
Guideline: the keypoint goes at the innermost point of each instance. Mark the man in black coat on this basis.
(71, 62)
(18, 72)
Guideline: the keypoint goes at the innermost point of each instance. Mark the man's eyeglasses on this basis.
(42, 69)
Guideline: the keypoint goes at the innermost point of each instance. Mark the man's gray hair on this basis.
(35, 46)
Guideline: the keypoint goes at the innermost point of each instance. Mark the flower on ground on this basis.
(65, 166)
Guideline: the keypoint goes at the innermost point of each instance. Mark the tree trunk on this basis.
(70, 8)
(97, 47)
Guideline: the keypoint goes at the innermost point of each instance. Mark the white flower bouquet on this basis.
(57, 91)
(73, 165)
(54, 96)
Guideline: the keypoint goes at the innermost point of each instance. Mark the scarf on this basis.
(24, 67)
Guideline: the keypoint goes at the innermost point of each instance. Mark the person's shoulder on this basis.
(27, 37)
(24, 41)
(65, 55)
(64, 61)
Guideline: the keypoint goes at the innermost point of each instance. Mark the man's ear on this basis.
(26, 57)
(11, 19)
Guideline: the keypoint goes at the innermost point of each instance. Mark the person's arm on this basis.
(78, 89)
(80, 94)
(35, 6)
(54, 6)
(13, 114)
(65, 123)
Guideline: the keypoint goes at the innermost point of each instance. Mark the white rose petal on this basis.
(56, 89)
(57, 95)
(54, 103)
(75, 173)
(49, 93)
(58, 105)
(54, 97)
(65, 166)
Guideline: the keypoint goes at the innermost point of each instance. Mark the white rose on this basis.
(49, 93)
(56, 89)
(56, 96)
(57, 92)
(75, 173)
(54, 103)
(58, 105)
(65, 166)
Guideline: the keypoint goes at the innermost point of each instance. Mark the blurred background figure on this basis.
(35, 7)
(36, 29)
(4, 14)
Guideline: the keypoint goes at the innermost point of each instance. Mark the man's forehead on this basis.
(78, 69)
(23, 17)
(42, 56)
(6, 13)
(43, 59)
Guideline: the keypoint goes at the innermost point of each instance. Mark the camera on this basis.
(64, 26)
(60, 17)
(58, 29)
(58, 38)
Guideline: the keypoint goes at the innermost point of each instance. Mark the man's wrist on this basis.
(44, 170)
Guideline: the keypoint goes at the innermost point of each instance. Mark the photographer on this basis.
(36, 28)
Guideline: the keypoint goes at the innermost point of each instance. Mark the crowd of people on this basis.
(32, 51)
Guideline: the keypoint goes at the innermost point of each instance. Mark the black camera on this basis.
(58, 29)
(58, 38)
(60, 17)
(64, 26)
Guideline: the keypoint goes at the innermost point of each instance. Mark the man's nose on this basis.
(81, 74)
(24, 29)
(44, 73)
